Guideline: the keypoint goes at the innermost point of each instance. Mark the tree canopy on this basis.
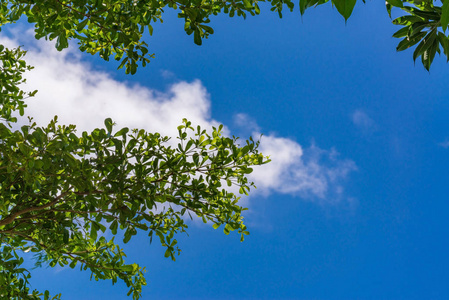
(65, 195)
(116, 28)
(62, 192)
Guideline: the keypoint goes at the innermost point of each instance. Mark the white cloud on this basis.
(80, 95)
(311, 173)
(363, 121)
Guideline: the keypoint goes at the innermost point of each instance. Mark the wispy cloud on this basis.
(246, 122)
(444, 144)
(166, 74)
(363, 122)
(80, 95)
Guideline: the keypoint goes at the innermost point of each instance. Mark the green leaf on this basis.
(445, 15)
(197, 36)
(407, 20)
(62, 42)
(123, 62)
(344, 7)
(226, 230)
(427, 15)
(247, 4)
(127, 236)
(409, 42)
(72, 264)
(417, 27)
(113, 227)
(247, 170)
(208, 29)
(81, 25)
(167, 253)
(256, 9)
(127, 268)
(425, 44)
(302, 6)
(444, 41)
(428, 55)
(93, 230)
(108, 123)
(122, 132)
(401, 32)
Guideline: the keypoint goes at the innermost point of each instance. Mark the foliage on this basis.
(425, 23)
(62, 195)
(116, 27)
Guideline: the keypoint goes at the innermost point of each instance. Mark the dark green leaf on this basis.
(113, 227)
(409, 42)
(401, 32)
(82, 24)
(108, 123)
(197, 37)
(122, 132)
(344, 7)
(407, 20)
(445, 15)
(428, 55)
(444, 41)
(425, 44)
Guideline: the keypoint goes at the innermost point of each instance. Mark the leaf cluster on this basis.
(424, 26)
(12, 97)
(115, 28)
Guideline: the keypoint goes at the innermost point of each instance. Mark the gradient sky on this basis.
(355, 202)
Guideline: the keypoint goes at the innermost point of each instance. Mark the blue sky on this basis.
(354, 205)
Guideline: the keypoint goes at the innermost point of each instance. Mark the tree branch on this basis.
(11, 218)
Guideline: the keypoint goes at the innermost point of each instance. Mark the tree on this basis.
(61, 191)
